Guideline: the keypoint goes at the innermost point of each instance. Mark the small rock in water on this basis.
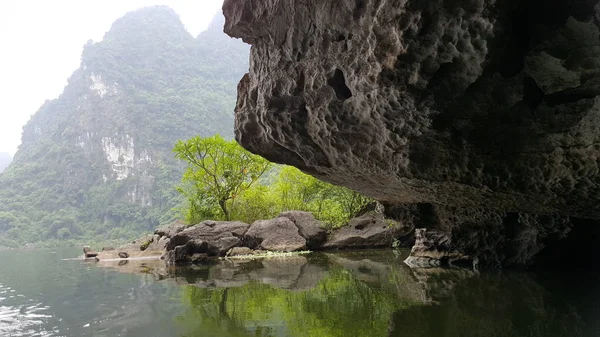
(123, 255)
(240, 251)
(199, 258)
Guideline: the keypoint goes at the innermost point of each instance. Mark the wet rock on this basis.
(171, 229)
(434, 249)
(199, 258)
(308, 227)
(123, 255)
(490, 238)
(88, 253)
(240, 251)
(183, 254)
(219, 236)
(368, 231)
(279, 235)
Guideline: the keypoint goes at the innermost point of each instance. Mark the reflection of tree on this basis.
(208, 315)
(338, 305)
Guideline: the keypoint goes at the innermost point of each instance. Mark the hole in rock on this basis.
(338, 83)
(359, 9)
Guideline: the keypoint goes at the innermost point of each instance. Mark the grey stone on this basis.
(368, 231)
(308, 227)
(171, 229)
(279, 234)
(219, 236)
(240, 251)
(183, 254)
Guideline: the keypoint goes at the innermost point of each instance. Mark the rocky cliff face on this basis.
(482, 114)
(97, 161)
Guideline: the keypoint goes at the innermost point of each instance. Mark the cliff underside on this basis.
(478, 119)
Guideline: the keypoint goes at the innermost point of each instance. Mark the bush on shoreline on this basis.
(225, 182)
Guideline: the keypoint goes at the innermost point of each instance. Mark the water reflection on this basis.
(322, 295)
(367, 294)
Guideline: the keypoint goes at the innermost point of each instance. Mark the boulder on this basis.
(219, 236)
(158, 243)
(368, 231)
(240, 251)
(308, 227)
(171, 229)
(434, 248)
(184, 254)
(279, 235)
(88, 253)
(145, 242)
(199, 258)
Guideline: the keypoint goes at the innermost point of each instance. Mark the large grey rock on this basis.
(434, 249)
(156, 243)
(186, 253)
(279, 235)
(219, 236)
(368, 231)
(488, 106)
(171, 229)
(308, 227)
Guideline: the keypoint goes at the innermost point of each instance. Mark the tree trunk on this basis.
(223, 205)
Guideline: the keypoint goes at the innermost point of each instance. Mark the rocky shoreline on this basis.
(293, 231)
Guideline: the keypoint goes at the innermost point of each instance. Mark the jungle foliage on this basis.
(224, 181)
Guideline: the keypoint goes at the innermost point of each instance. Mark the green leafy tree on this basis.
(218, 171)
(290, 189)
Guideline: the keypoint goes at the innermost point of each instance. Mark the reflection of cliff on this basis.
(492, 305)
(367, 293)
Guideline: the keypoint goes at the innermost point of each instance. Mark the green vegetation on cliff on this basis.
(97, 162)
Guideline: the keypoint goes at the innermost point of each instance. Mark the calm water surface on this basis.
(321, 295)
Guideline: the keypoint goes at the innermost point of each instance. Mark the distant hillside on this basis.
(97, 162)
(5, 160)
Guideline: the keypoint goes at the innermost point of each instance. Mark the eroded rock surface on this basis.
(279, 234)
(368, 231)
(465, 103)
(308, 227)
(485, 106)
(210, 237)
(171, 229)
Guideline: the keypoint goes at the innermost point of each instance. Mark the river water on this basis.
(370, 293)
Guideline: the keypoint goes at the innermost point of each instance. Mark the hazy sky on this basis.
(41, 43)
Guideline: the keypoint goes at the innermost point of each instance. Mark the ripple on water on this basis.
(20, 317)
